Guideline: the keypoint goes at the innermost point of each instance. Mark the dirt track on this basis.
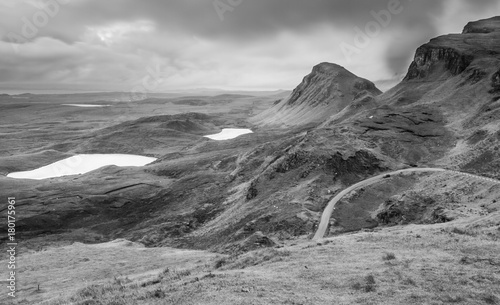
(325, 218)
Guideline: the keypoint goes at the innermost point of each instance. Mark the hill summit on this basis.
(326, 91)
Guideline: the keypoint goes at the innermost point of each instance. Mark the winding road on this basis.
(325, 218)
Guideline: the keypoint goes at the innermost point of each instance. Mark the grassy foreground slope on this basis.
(452, 263)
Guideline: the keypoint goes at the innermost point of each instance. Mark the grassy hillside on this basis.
(443, 264)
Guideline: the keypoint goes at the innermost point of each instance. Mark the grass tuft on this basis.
(389, 256)
(366, 285)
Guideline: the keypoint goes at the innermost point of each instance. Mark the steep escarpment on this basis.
(435, 59)
(451, 55)
(445, 113)
(450, 93)
(326, 91)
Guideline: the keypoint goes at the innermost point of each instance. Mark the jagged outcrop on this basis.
(326, 91)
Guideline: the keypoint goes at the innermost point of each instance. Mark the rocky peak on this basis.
(328, 82)
(326, 91)
(330, 69)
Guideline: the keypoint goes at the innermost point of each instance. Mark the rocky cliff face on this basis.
(430, 58)
(458, 76)
(453, 54)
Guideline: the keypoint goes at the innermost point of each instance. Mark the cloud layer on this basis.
(231, 44)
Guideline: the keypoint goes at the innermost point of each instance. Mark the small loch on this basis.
(229, 133)
(81, 164)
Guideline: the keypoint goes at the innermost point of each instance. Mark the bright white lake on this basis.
(86, 105)
(229, 133)
(81, 164)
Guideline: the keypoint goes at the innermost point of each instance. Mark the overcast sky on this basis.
(165, 45)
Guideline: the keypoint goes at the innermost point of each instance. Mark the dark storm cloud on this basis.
(250, 19)
(190, 38)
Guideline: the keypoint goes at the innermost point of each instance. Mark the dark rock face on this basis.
(483, 26)
(430, 58)
(477, 137)
(361, 162)
(455, 53)
(474, 75)
(258, 239)
(252, 191)
(293, 161)
(365, 85)
(495, 82)
(414, 209)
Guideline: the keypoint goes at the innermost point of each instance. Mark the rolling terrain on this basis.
(418, 238)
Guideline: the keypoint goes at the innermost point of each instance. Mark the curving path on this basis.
(325, 218)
